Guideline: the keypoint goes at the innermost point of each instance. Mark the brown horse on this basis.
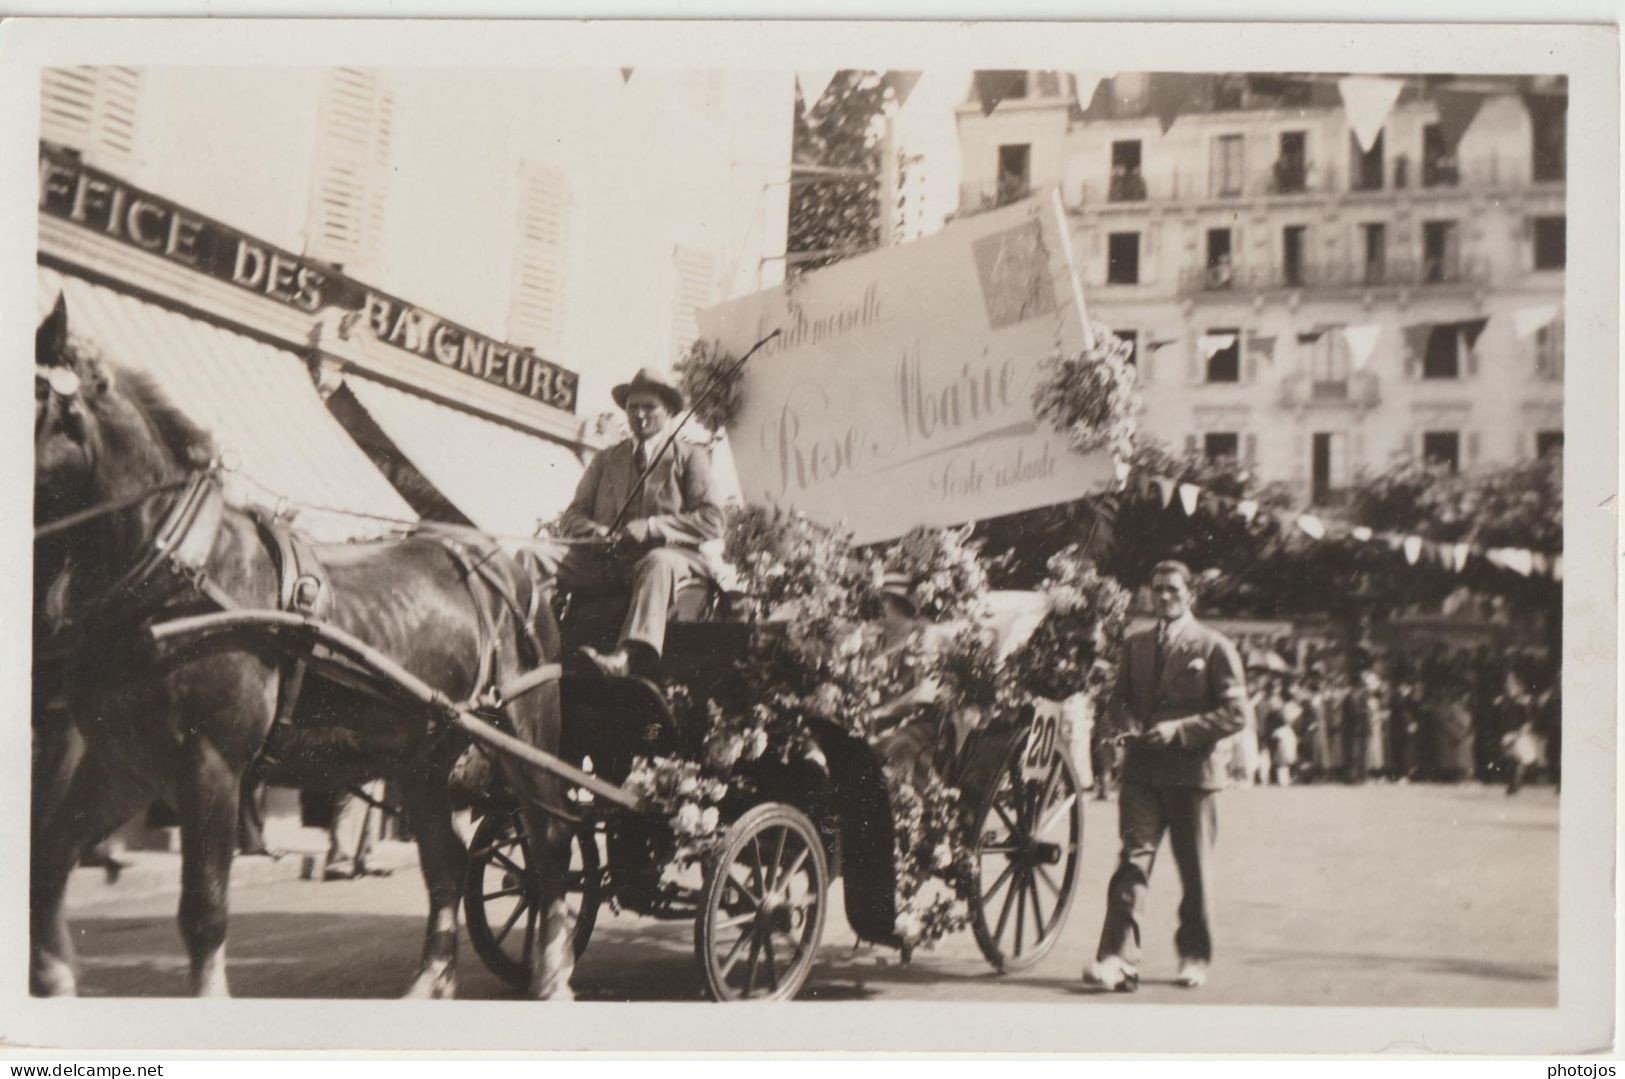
(114, 463)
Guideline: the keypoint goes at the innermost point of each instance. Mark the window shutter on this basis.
(1472, 447)
(1300, 457)
(1098, 256)
(1150, 251)
(95, 110)
(1190, 444)
(1249, 357)
(354, 135)
(1197, 369)
(1469, 355)
(536, 306)
(1249, 451)
(695, 287)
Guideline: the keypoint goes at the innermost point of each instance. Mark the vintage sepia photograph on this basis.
(1079, 532)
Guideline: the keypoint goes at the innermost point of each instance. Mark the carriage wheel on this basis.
(762, 907)
(499, 895)
(1026, 846)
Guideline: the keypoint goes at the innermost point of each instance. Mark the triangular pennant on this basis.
(1413, 549)
(1084, 85)
(1165, 489)
(1247, 508)
(1362, 342)
(993, 87)
(1311, 526)
(1361, 533)
(1211, 343)
(1471, 329)
(626, 75)
(813, 84)
(1496, 557)
(902, 84)
(1262, 347)
(1531, 320)
(1520, 561)
(1541, 564)
(1461, 550)
(1121, 470)
(1188, 494)
(1170, 93)
(1161, 342)
(1456, 111)
(1368, 101)
(1309, 337)
(1557, 568)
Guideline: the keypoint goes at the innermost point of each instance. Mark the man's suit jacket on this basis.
(1202, 688)
(678, 500)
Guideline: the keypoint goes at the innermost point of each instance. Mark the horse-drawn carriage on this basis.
(203, 642)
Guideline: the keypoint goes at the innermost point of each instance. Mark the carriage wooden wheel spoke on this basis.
(1028, 835)
(769, 880)
(499, 895)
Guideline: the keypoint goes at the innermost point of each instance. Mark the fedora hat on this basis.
(654, 382)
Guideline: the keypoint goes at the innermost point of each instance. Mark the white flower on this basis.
(908, 925)
(725, 753)
(943, 856)
(709, 819)
(756, 746)
(688, 787)
(715, 790)
(688, 820)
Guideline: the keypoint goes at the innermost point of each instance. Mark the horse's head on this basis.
(100, 433)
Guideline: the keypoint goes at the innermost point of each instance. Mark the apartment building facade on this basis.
(1309, 304)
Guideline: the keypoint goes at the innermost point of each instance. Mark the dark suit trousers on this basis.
(1189, 817)
(651, 580)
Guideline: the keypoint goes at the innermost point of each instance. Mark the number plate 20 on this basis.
(1048, 735)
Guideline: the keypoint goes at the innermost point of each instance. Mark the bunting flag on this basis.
(1557, 568)
(1248, 509)
(902, 84)
(1416, 339)
(1368, 101)
(813, 84)
(1262, 348)
(1471, 329)
(1309, 337)
(1170, 93)
(1161, 342)
(1457, 108)
(1542, 565)
(1165, 488)
(1312, 526)
(1460, 551)
(1413, 548)
(626, 75)
(1362, 341)
(993, 87)
(1531, 320)
(1084, 85)
(1211, 343)
(1361, 533)
(1188, 493)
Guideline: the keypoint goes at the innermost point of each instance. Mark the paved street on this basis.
(1390, 895)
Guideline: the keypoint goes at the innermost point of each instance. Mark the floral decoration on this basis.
(710, 379)
(1089, 397)
(1071, 650)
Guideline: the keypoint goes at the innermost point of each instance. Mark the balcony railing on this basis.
(1359, 390)
(1330, 275)
(1127, 186)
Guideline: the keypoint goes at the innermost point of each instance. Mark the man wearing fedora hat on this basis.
(655, 549)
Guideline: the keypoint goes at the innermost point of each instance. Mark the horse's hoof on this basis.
(52, 978)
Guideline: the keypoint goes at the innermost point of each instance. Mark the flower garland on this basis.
(948, 576)
(689, 796)
(928, 845)
(1089, 397)
(710, 379)
(1073, 649)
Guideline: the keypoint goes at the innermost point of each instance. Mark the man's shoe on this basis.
(616, 664)
(1113, 974)
(1192, 974)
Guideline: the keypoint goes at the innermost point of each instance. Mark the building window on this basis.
(1329, 367)
(1441, 252)
(1218, 258)
(1365, 166)
(1132, 339)
(1548, 443)
(1123, 258)
(1548, 122)
(355, 131)
(1015, 177)
(1228, 178)
(1374, 241)
(1328, 467)
(1438, 163)
(1224, 365)
(1442, 448)
(1218, 445)
(1128, 180)
(94, 110)
(1292, 167)
(1551, 250)
(1442, 358)
(1292, 247)
(1549, 351)
(536, 303)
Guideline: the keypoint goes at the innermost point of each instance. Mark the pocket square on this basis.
(1198, 664)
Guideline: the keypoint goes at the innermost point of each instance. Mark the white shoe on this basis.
(1192, 974)
(1113, 974)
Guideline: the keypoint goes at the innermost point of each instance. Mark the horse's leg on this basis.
(443, 859)
(93, 802)
(208, 791)
(553, 935)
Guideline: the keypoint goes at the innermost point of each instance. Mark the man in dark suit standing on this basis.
(1180, 690)
(659, 526)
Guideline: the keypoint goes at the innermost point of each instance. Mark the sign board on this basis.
(92, 199)
(899, 393)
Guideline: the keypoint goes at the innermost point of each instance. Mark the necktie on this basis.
(1161, 654)
(640, 458)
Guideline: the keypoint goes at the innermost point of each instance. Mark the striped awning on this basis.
(499, 477)
(258, 401)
